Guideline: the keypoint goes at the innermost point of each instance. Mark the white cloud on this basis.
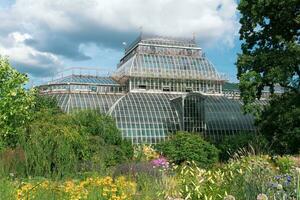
(210, 19)
(47, 29)
(26, 58)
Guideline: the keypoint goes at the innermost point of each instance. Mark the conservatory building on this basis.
(161, 85)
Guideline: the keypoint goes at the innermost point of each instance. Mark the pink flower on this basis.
(160, 162)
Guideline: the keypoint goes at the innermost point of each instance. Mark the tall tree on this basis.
(15, 103)
(270, 35)
(270, 56)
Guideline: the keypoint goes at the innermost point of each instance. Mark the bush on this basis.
(53, 147)
(105, 140)
(12, 162)
(248, 142)
(97, 124)
(60, 144)
(284, 163)
(46, 104)
(185, 146)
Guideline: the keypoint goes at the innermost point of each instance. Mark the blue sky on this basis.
(44, 37)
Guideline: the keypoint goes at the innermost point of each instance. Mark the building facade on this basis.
(161, 85)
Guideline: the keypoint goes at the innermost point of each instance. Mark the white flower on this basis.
(229, 197)
(262, 197)
(279, 187)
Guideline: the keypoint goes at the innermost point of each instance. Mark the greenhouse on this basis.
(161, 85)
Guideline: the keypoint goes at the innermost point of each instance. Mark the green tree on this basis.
(184, 146)
(270, 35)
(15, 103)
(280, 123)
(270, 47)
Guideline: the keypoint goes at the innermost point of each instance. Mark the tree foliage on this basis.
(53, 146)
(270, 34)
(59, 144)
(105, 138)
(280, 123)
(15, 103)
(270, 47)
(239, 142)
(184, 146)
(46, 104)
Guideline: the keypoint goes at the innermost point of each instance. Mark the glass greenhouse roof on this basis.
(151, 117)
(86, 79)
(145, 118)
(69, 102)
(164, 58)
(160, 40)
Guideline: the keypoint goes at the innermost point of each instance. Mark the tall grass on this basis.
(7, 189)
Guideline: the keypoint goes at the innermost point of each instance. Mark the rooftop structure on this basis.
(156, 60)
(161, 85)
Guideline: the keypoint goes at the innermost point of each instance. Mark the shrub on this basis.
(58, 144)
(46, 104)
(105, 140)
(144, 152)
(97, 124)
(231, 144)
(53, 147)
(185, 146)
(12, 162)
(284, 163)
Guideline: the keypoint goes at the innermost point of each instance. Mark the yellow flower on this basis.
(120, 189)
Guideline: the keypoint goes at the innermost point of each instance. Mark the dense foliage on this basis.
(15, 103)
(270, 48)
(44, 104)
(271, 57)
(242, 142)
(105, 141)
(184, 146)
(280, 123)
(53, 146)
(56, 144)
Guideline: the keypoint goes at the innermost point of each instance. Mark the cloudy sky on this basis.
(43, 37)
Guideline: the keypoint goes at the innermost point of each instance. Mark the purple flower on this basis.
(160, 162)
(288, 178)
(277, 177)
